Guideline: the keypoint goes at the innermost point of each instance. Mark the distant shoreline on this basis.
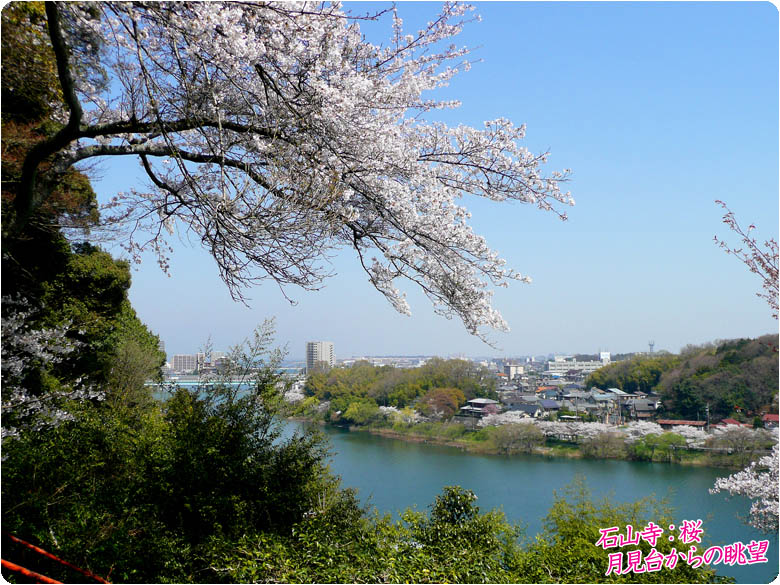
(561, 450)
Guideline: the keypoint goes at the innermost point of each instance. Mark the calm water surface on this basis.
(392, 475)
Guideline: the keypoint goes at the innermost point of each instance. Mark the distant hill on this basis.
(735, 377)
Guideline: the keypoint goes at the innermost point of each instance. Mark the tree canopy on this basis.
(732, 376)
(276, 133)
(439, 386)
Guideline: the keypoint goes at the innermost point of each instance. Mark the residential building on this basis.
(727, 422)
(532, 410)
(319, 353)
(563, 364)
(513, 370)
(669, 424)
(478, 407)
(184, 363)
(641, 408)
(550, 392)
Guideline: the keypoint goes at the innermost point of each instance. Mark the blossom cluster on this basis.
(759, 482)
(277, 133)
(26, 348)
(568, 431)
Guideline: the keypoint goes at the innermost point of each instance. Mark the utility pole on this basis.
(708, 416)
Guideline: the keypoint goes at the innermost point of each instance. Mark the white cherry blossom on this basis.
(275, 134)
(759, 482)
(25, 348)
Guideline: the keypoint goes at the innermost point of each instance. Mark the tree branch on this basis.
(157, 150)
(29, 197)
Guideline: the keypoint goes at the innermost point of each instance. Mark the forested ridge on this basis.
(734, 377)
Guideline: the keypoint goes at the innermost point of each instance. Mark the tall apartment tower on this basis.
(319, 351)
(184, 363)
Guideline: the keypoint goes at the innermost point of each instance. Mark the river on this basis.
(392, 475)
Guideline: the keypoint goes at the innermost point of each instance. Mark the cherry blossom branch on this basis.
(761, 261)
(277, 135)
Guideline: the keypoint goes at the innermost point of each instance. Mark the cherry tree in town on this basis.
(505, 418)
(275, 134)
(639, 429)
(693, 437)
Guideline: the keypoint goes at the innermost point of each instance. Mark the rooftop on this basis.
(690, 423)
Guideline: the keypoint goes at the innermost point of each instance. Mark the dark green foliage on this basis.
(664, 447)
(87, 290)
(565, 552)
(641, 373)
(145, 497)
(683, 400)
(340, 544)
(29, 69)
(731, 376)
(76, 490)
(454, 543)
(223, 474)
(388, 386)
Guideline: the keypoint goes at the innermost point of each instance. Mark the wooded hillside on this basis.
(736, 378)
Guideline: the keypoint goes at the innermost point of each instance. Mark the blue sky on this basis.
(658, 108)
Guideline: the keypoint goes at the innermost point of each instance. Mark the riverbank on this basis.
(488, 441)
(549, 449)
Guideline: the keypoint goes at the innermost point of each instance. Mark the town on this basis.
(526, 387)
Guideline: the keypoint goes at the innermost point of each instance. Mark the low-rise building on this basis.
(513, 371)
(532, 410)
(560, 365)
(550, 405)
(640, 409)
(667, 424)
(479, 407)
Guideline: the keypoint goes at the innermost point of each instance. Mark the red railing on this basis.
(42, 578)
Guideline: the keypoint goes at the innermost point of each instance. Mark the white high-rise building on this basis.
(319, 351)
(184, 363)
